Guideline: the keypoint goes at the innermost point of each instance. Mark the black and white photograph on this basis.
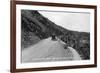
(48, 36)
(52, 36)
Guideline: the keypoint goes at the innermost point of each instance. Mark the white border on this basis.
(20, 65)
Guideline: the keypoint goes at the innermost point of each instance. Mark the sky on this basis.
(69, 20)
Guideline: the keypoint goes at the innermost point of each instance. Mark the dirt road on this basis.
(49, 50)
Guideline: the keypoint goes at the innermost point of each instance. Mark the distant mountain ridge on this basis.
(36, 27)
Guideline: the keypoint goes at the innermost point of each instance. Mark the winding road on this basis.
(49, 50)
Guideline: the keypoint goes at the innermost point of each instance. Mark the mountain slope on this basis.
(36, 27)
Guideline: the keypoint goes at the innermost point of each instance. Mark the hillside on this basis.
(36, 27)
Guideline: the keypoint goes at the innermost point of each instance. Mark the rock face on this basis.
(35, 27)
